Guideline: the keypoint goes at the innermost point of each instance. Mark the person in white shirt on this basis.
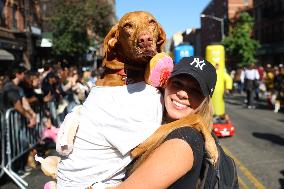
(113, 121)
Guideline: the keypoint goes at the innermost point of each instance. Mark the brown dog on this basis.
(128, 47)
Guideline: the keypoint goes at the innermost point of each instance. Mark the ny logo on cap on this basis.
(199, 64)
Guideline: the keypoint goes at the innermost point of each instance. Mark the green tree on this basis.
(71, 21)
(239, 45)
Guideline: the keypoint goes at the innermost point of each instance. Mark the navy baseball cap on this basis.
(200, 69)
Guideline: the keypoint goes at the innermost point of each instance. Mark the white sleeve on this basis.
(134, 126)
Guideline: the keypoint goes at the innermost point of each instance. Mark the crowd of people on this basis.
(260, 83)
(53, 89)
(58, 83)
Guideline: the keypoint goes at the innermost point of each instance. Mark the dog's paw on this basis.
(139, 150)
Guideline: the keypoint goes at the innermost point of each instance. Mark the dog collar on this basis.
(123, 75)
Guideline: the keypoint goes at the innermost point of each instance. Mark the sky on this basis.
(173, 15)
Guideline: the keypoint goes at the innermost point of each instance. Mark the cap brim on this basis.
(198, 78)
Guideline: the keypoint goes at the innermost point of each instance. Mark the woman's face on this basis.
(182, 96)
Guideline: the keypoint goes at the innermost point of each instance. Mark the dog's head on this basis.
(134, 40)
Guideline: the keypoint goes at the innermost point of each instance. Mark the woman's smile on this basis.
(179, 105)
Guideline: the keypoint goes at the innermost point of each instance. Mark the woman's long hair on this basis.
(206, 112)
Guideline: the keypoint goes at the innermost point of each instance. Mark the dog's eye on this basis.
(152, 22)
(127, 26)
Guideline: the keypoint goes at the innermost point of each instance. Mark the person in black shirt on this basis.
(14, 97)
(176, 162)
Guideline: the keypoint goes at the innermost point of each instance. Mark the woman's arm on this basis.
(169, 162)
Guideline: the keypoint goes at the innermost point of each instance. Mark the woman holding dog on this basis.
(176, 161)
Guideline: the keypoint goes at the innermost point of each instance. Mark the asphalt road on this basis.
(257, 147)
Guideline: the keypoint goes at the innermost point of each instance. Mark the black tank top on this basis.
(196, 142)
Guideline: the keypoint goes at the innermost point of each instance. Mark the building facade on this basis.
(269, 31)
(216, 12)
(193, 37)
(20, 28)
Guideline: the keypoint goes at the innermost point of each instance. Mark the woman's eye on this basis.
(195, 91)
(176, 84)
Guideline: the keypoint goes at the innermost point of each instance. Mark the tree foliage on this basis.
(70, 21)
(239, 45)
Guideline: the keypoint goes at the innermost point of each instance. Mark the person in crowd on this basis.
(49, 131)
(29, 85)
(90, 77)
(251, 76)
(188, 92)
(80, 91)
(47, 68)
(238, 80)
(14, 97)
(269, 83)
(51, 85)
(3, 79)
(279, 88)
(261, 88)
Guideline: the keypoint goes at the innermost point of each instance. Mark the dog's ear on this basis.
(110, 47)
(110, 40)
(161, 42)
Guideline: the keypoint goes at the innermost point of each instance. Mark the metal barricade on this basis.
(19, 140)
(53, 113)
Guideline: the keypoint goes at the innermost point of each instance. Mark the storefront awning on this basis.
(5, 55)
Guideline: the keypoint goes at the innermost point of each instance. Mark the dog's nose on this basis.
(145, 40)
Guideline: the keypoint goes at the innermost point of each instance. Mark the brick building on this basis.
(269, 31)
(222, 9)
(19, 31)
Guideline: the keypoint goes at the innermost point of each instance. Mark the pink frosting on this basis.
(161, 72)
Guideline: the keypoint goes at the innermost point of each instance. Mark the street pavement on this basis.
(257, 147)
(35, 178)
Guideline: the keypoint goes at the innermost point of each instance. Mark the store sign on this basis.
(36, 30)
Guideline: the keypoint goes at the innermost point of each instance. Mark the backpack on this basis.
(222, 176)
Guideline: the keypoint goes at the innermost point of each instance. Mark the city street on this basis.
(257, 147)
